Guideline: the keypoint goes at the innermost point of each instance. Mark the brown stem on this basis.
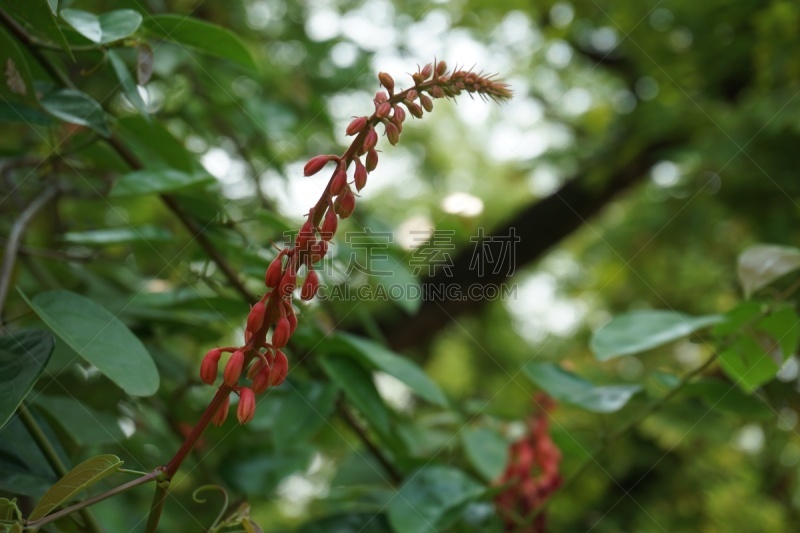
(393, 472)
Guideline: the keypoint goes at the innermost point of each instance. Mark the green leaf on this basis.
(377, 356)
(486, 450)
(157, 181)
(569, 388)
(357, 384)
(747, 364)
(128, 85)
(347, 522)
(304, 410)
(105, 237)
(640, 331)
(23, 357)
(723, 396)
(736, 318)
(75, 481)
(83, 424)
(11, 113)
(429, 497)
(208, 38)
(260, 471)
(100, 338)
(105, 28)
(760, 265)
(39, 14)
(17, 80)
(78, 108)
(155, 141)
(784, 326)
(9, 510)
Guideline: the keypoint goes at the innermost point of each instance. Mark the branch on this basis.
(391, 470)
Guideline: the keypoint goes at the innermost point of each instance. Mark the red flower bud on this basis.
(356, 125)
(233, 370)
(261, 381)
(331, 222)
(426, 71)
(310, 286)
(209, 366)
(255, 368)
(292, 318)
(288, 282)
(315, 164)
(370, 140)
(380, 97)
(279, 369)
(247, 405)
(414, 109)
(383, 109)
(399, 114)
(392, 133)
(345, 204)
(256, 317)
(360, 175)
(307, 233)
(441, 68)
(387, 81)
(411, 95)
(280, 337)
(318, 251)
(417, 77)
(426, 102)
(437, 92)
(372, 160)
(222, 412)
(339, 181)
(273, 276)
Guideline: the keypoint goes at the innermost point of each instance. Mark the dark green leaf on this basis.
(17, 80)
(104, 237)
(105, 28)
(75, 481)
(155, 141)
(205, 37)
(9, 510)
(569, 388)
(486, 450)
(304, 410)
(429, 496)
(82, 423)
(723, 396)
(784, 326)
(23, 357)
(126, 80)
(357, 384)
(100, 338)
(747, 364)
(156, 182)
(39, 14)
(78, 108)
(11, 113)
(347, 523)
(377, 356)
(760, 265)
(640, 331)
(261, 471)
(25, 468)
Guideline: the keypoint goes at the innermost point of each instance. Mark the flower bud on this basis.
(383, 110)
(331, 222)
(441, 68)
(288, 282)
(414, 109)
(356, 125)
(360, 176)
(315, 164)
(256, 317)
(279, 369)
(310, 286)
(399, 114)
(380, 97)
(306, 234)
(292, 318)
(392, 133)
(417, 77)
(426, 102)
(387, 81)
(209, 366)
(437, 92)
(255, 368)
(261, 380)
(411, 95)
(247, 405)
(339, 181)
(233, 370)
(318, 251)
(280, 337)
(426, 71)
(222, 412)
(273, 276)
(372, 160)
(370, 140)
(345, 204)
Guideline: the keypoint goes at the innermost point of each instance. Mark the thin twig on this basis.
(393, 472)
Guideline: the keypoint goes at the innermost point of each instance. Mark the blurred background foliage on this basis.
(698, 98)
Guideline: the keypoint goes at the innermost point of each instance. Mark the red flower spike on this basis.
(233, 370)
(310, 286)
(247, 405)
(256, 317)
(387, 81)
(261, 381)
(370, 140)
(356, 125)
(345, 204)
(399, 114)
(280, 337)
(279, 369)
(331, 222)
(372, 160)
(383, 110)
(209, 366)
(414, 109)
(273, 276)
(339, 181)
(392, 133)
(222, 412)
(426, 102)
(315, 164)
(360, 176)
(426, 71)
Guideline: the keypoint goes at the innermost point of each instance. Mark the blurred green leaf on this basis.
(157, 181)
(100, 338)
(17, 82)
(105, 237)
(84, 425)
(747, 364)
(430, 497)
(156, 142)
(760, 265)
(486, 450)
(304, 410)
(76, 107)
(105, 28)
(23, 357)
(261, 470)
(357, 384)
(569, 388)
(39, 14)
(723, 396)
(208, 38)
(784, 326)
(74, 482)
(128, 85)
(11, 112)
(9, 510)
(640, 331)
(347, 523)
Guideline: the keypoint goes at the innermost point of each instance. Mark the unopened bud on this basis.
(417, 77)
(372, 160)
(280, 337)
(256, 317)
(247, 405)
(256, 367)
(233, 370)
(381, 97)
(437, 92)
(387, 81)
(310, 286)
(320, 248)
(331, 222)
(273, 276)
(307, 233)
(356, 125)
(261, 380)
(441, 68)
(426, 102)
(414, 109)
(345, 204)
(392, 133)
(222, 412)
(360, 176)
(279, 369)
(288, 282)
(292, 318)
(426, 71)
(411, 95)
(209, 366)
(370, 140)
(315, 164)
(383, 109)
(339, 181)
(399, 114)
